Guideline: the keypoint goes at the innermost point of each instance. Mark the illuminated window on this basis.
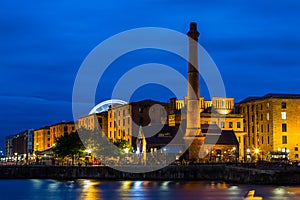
(223, 103)
(268, 116)
(268, 105)
(284, 128)
(283, 105)
(284, 139)
(283, 115)
(222, 124)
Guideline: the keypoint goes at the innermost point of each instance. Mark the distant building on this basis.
(60, 129)
(9, 151)
(42, 139)
(94, 122)
(272, 124)
(45, 138)
(124, 120)
(218, 111)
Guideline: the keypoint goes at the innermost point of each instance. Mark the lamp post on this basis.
(16, 155)
(248, 155)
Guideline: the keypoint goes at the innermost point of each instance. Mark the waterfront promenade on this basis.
(218, 172)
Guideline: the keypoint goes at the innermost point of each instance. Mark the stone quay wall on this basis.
(231, 174)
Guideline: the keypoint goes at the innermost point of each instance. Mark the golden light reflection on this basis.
(126, 185)
(90, 191)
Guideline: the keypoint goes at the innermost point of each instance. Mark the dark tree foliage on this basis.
(69, 146)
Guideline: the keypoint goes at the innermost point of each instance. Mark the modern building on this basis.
(272, 124)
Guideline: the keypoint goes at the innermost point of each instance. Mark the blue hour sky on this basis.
(255, 45)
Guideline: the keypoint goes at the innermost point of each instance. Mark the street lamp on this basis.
(248, 155)
(256, 151)
(16, 155)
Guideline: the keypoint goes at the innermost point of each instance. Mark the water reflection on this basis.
(138, 190)
(90, 191)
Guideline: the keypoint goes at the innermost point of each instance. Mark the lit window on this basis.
(222, 124)
(268, 116)
(283, 115)
(268, 105)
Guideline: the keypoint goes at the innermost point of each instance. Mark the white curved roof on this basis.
(104, 106)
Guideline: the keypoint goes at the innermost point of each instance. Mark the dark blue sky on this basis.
(255, 45)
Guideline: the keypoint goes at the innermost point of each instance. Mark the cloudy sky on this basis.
(255, 45)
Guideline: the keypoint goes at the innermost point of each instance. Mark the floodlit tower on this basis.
(193, 134)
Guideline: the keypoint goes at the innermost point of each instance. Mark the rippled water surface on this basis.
(137, 190)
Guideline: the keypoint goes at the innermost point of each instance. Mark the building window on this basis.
(262, 139)
(284, 128)
(268, 105)
(123, 112)
(268, 128)
(252, 118)
(283, 105)
(262, 128)
(223, 103)
(110, 124)
(230, 124)
(261, 117)
(238, 125)
(296, 155)
(283, 115)
(222, 124)
(284, 139)
(268, 116)
(268, 139)
(296, 148)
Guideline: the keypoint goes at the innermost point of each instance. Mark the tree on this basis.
(69, 146)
